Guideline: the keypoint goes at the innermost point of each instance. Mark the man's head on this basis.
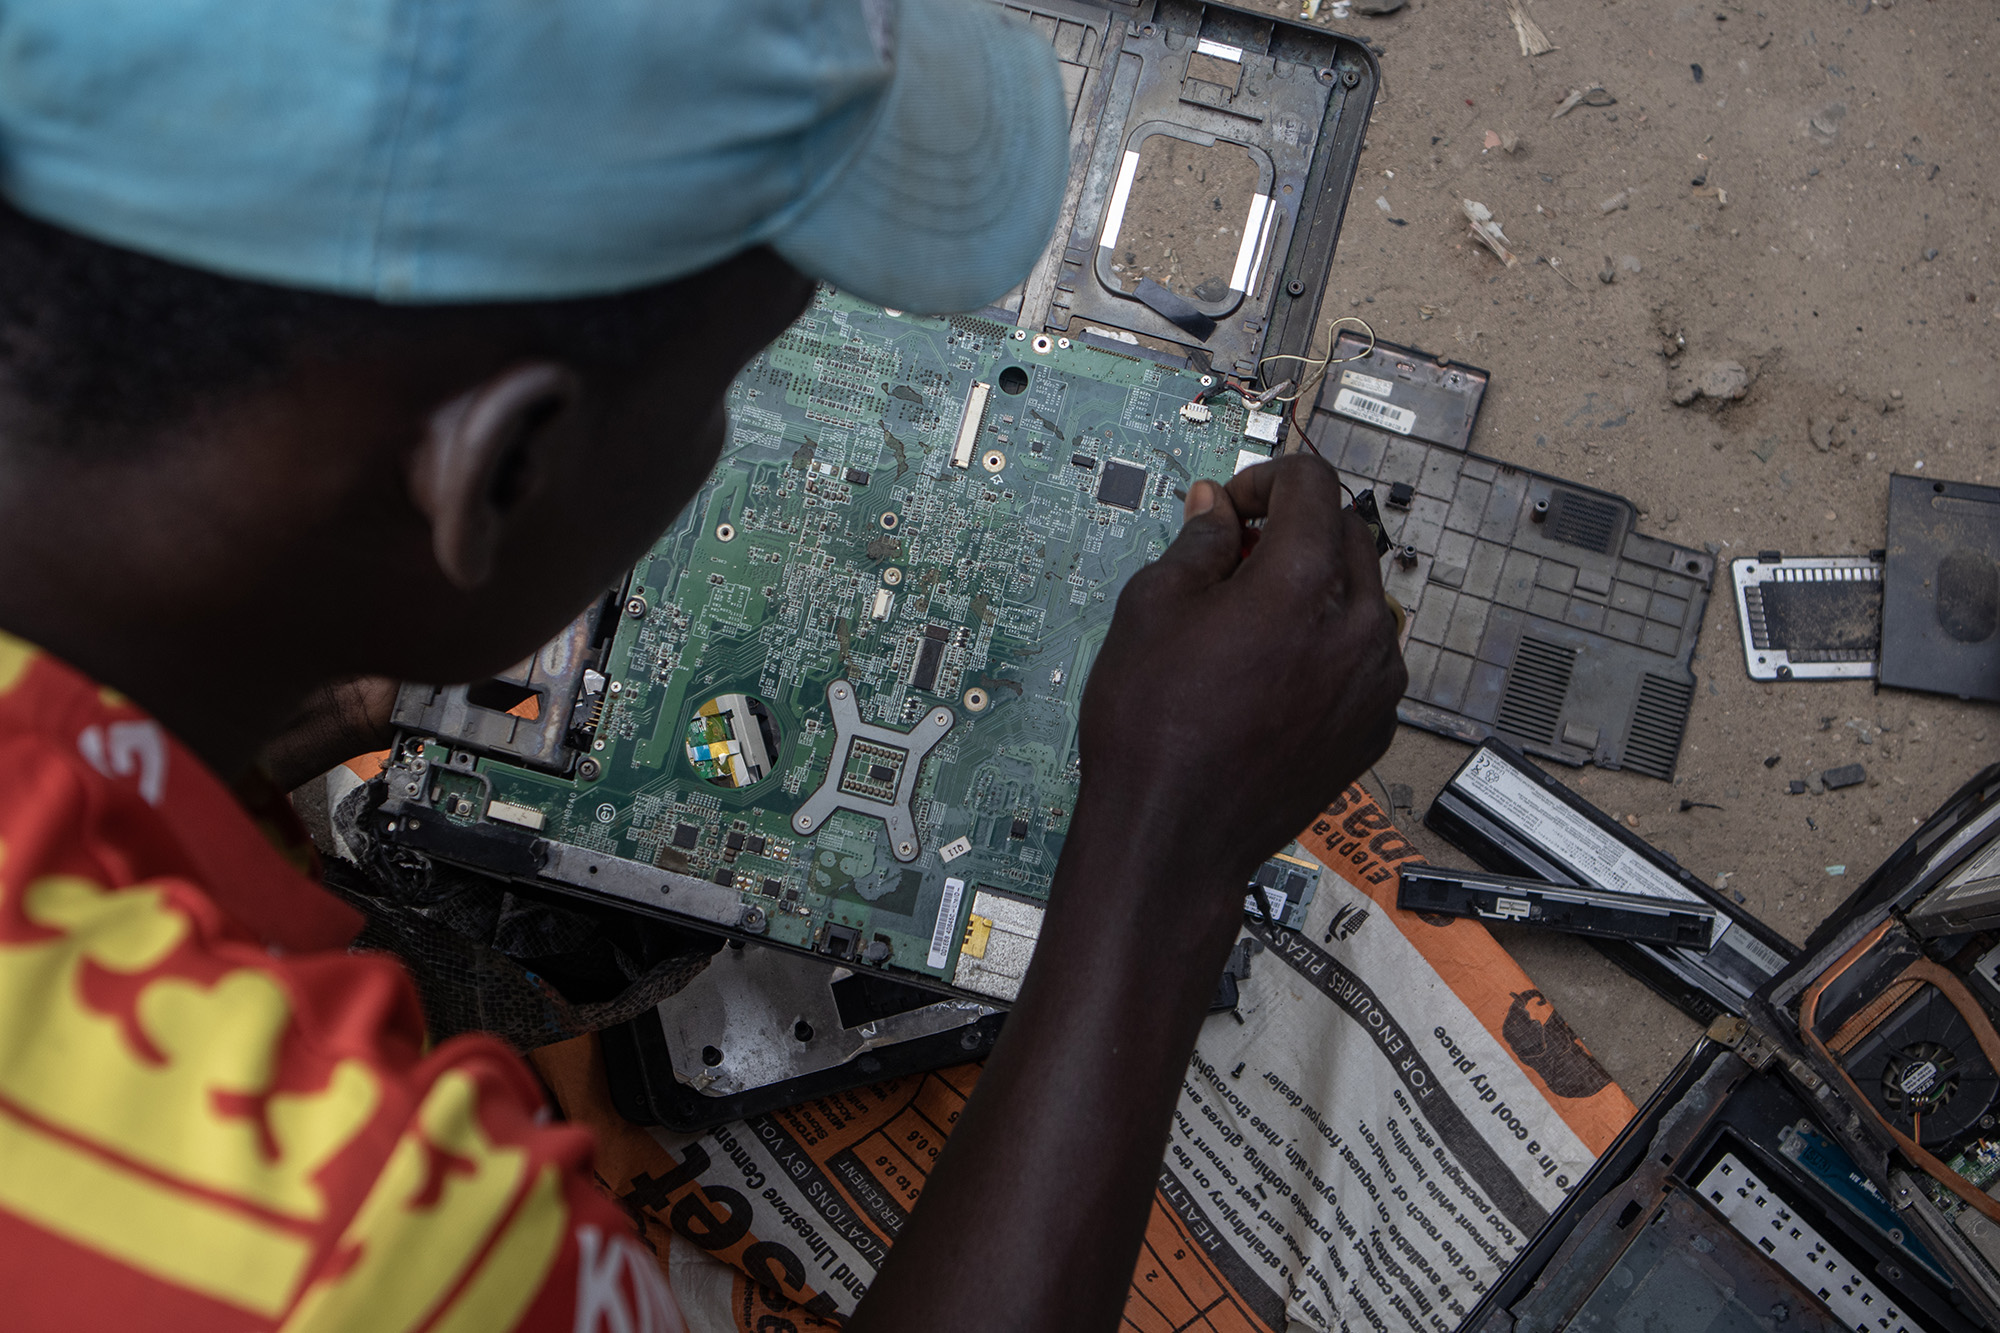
(379, 338)
(448, 482)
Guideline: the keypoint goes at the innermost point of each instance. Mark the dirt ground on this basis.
(1840, 246)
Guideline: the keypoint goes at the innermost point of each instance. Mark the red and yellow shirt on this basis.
(214, 1117)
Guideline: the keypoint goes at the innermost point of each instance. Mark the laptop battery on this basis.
(1514, 819)
(1506, 900)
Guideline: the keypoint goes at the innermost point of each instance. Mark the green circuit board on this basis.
(845, 684)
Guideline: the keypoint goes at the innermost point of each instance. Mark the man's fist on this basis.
(1242, 685)
(335, 723)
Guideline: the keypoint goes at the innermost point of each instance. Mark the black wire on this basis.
(1299, 426)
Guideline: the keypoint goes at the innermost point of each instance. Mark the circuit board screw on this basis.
(635, 607)
(753, 920)
(589, 769)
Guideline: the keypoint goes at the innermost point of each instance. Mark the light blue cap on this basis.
(913, 152)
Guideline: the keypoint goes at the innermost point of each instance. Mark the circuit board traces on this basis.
(845, 684)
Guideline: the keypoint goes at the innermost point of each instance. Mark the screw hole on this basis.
(802, 1030)
(710, 1056)
(1938, 486)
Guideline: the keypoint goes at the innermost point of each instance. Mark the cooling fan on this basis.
(1925, 1072)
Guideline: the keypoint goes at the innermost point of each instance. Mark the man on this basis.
(371, 339)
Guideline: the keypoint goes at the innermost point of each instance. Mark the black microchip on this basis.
(1082, 461)
(856, 477)
(1123, 486)
(1400, 495)
(925, 673)
(726, 878)
(685, 835)
(733, 841)
(756, 847)
(881, 772)
(1020, 828)
(938, 632)
(771, 887)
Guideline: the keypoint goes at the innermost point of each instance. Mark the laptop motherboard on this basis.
(836, 705)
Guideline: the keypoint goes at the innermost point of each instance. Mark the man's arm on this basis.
(1235, 695)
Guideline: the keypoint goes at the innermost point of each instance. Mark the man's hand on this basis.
(335, 723)
(1234, 696)
(1237, 694)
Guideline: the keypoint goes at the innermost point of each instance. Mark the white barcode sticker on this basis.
(1279, 904)
(954, 849)
(1761, 955)
(947, 922)
(1375, 412)
(1366, 383)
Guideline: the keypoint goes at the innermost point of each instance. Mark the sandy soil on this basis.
(1840, 246)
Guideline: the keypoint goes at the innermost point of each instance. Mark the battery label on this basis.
(1760, 955)
(1366, 383)
(1375, 412)
(1605, 862)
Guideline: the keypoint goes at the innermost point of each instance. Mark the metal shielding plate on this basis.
(1815, 617)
